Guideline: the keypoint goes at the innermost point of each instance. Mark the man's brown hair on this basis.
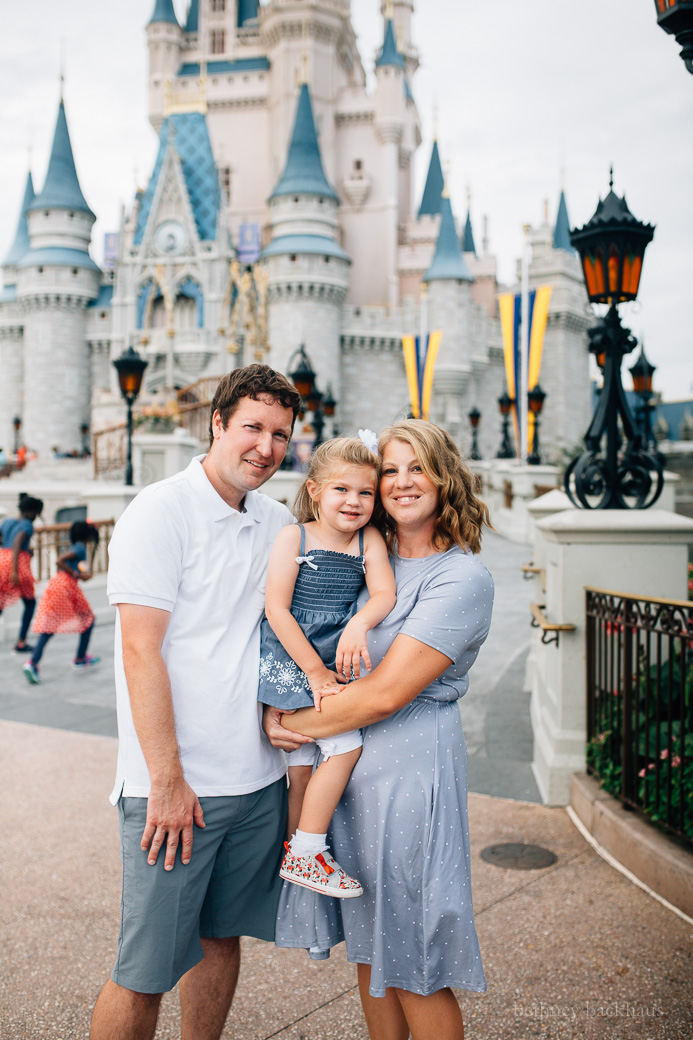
(255, 382)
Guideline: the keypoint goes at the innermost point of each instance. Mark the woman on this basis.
(401, 826)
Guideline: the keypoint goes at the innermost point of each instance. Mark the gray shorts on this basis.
(230, 887)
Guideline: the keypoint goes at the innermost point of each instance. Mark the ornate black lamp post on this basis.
(303, 378)
(620, 475)
(17, 424)
(642, 372)
(474, 419)
(506, 450)
(130, 368)
(535, 398)
(676, 17)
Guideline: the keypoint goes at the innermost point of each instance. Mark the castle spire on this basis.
(192, 22)
(433, 190)
(448, 262)
(164, 12)
(389, 55)
(561, 232)
(61, 188)
(303, 173)
(21, 244)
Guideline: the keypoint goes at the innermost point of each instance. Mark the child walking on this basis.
(313, 635)
(63, 606)
(16, 579)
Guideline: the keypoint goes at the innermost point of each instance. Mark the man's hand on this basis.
(172, 808)
(277, 735)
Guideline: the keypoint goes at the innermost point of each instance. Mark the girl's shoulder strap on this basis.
(302, 550)
(360, 541)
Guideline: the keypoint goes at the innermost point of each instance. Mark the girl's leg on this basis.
(83, 645)
(436, 1017)
(325, 788)
(384, 1016)
(29, 608)
(298, 781)
(40, 644)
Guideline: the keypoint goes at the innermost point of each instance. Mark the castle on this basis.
(280, 211)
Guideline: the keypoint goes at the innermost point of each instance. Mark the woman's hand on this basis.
(277, 735)
(352, 646)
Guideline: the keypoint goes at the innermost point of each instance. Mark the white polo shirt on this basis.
(178, 546)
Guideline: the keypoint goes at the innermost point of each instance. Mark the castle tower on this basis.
(165, 40)
(390, 102)
(56, 279)
(308, 271)
(448, 281)
(11, 331)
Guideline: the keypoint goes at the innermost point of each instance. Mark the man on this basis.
(201, 793)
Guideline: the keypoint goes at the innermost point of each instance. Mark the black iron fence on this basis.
(640, 704)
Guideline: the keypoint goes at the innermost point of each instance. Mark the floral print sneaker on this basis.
(321, 873)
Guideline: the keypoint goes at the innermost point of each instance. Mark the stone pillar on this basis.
(12, 368)
(637, 552)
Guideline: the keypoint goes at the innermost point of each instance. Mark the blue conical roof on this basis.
(448, 261)
(468, 245)
(433, 190)
(163, 12)
(21, 244)
(192, 22)
(303, 173)
(247, 11)
(61, 188)
(561, 233)
(389, 55)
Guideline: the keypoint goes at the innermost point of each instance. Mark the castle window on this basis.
(225, 181)
(217, 5)
(75, 272)
(217, 41)
(71, 216)
(358, 165)
(292, 258)
(40, 270)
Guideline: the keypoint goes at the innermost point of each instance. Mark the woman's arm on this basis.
(281, 581)
(382, 595)
(406, 670)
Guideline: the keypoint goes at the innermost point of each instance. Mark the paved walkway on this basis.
(573, 950)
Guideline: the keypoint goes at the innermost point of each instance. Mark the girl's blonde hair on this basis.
(462, 515)
(341, 451)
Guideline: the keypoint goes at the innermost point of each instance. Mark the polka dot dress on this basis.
(9, 593)
(63, 607)
(401, 826)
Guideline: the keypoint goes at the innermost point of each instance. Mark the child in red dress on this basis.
(63, 606)
(16, 579)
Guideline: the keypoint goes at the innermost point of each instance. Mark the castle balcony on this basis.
(189, 349)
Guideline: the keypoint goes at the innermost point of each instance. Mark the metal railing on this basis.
(49, 541)
(640, 704)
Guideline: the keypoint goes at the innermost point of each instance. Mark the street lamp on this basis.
(535, 399)
(611, 247)
(130, 368)
(676, 17)
(642, 372)
(474, 419)
(505, 403)
(303, 378)
(17, 424)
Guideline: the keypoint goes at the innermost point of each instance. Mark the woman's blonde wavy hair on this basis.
(328, 457)
(462, 515)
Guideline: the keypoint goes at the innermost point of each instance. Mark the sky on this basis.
(530, 96)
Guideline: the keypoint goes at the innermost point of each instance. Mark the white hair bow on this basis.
(370, 439)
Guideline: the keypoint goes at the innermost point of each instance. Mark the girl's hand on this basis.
(328, 690)
(352, 646)
(319, 680)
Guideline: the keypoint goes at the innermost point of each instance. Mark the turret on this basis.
(468, 244)
(165, 41)
(448, 264)
(433, 188)
(308, 271)
(561, 232)
(247, 13)
(390, 112)
(21, 243)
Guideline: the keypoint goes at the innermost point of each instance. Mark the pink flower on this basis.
(676, 761)
(650, 767)
(641, 773)
(664, 754)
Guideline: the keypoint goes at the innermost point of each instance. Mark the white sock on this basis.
(305, 844)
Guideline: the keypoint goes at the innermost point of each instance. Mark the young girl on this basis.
(313, 636)
(16, 579)
(63, 606)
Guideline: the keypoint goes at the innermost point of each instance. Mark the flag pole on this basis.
(423, 333)
(523, 403)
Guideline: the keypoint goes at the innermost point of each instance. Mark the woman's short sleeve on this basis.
(453, 611)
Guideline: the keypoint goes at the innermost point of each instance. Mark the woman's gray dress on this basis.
(401, 826)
